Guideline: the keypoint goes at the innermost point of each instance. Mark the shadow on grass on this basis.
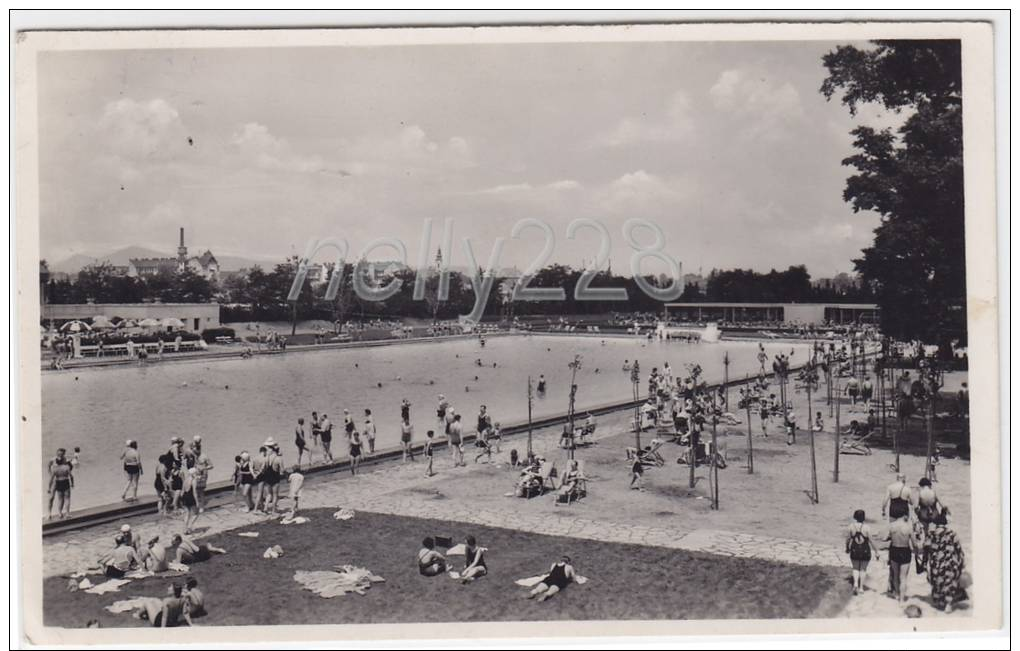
(627, 581)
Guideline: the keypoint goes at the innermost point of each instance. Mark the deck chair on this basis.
(579, 489)
(582, 434)
(854, 442)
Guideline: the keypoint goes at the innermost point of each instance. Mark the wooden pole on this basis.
(726, 380)
(715, 465)
(811, 430)
(635, 380)
(750, 445)
(835, 455)
(530, 397)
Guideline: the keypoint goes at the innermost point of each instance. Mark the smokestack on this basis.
(182, 236)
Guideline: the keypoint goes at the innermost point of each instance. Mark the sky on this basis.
(728, 148)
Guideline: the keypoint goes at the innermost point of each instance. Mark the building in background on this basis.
(195, 316)
(814, 314)
(204, 265)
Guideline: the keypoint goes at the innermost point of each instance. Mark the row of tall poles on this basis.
(932, 377)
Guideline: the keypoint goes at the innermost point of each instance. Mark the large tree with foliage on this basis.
(913, 178)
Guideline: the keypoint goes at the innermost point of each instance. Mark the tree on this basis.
(913, 179)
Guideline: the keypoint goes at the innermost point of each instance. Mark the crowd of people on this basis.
(919, 538)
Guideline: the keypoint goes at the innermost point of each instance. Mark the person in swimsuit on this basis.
(299, 441)
(354, 451)
(133, 469)
(163, 612)
(194, 600)
(348, 423)
(427, 452)
(430, 562)
(897, 495)
(406, 433)
(176, 471)
(541, 384)
(454, 437)
(405, 409)
(326, 432)
(474, 561)
(316, 431)
(246, 479)
(189, 498)
(859, 545)
(121, 560)
(189, 552)
(370, 431)
(902, 544)
(156, 559)
(202, 466)
(561, 574)
(61, 483)
(259, 464)
(928, 504)
(272, 474)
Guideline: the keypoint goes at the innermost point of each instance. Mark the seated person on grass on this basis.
(188, 551)
(121, 560)
(194, 600)
(430, 561)
(474, 561)
(157, 558)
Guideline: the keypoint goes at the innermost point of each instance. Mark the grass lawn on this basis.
(627, 581)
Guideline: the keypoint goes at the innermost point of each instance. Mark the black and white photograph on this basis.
(385, 333)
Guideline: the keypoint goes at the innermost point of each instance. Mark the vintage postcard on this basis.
(507, 331)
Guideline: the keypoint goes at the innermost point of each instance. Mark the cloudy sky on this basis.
(728, 147)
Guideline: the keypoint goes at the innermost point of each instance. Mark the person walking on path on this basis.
(859, 545)
(427, 453)
(370, 431)
(902, 545)
(456, 441)
(945, 564)
(406, 434)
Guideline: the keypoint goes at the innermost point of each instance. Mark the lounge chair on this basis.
(579, 489)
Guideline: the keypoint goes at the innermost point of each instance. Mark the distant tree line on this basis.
(257, 294)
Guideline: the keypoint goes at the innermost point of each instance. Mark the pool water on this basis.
(236, 404)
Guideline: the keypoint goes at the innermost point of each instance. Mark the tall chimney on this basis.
(182, 236)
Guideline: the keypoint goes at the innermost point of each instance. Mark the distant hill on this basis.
(120, 257)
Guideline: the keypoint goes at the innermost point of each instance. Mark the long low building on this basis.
(794, 313)
(196, 316)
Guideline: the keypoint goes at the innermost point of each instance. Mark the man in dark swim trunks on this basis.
(61, 483)
(326, 432)
(299, 441)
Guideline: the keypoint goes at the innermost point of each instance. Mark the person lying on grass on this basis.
(430, 562)
(163, 612)
(474, 561)
(561, 574)
(188, 551)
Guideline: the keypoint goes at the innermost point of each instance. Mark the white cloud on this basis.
(640, 190)
(138, 129)
(527, 188)
(762, 105)
(256, 143)
(675, 123)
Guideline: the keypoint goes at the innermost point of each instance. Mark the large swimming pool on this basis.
(236, 404)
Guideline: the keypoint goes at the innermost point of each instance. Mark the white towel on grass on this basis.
(296, 520)
(128, 605)
(343, 514)
(341, 581)
(108, 586)
(249, 534)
